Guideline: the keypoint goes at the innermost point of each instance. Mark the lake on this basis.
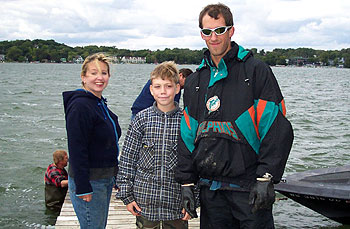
(32, 126)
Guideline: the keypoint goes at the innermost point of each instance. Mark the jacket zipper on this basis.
(162, 166)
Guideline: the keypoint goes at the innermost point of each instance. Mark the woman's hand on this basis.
(86, 198)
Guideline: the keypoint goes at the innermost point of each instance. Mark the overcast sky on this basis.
(159, 24)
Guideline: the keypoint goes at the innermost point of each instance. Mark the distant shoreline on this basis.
(51, 51)
(276, 66)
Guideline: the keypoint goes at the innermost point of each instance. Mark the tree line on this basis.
(51, 51)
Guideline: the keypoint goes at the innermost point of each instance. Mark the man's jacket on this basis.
(234, 127)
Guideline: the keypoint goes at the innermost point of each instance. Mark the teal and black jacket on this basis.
(234, 127)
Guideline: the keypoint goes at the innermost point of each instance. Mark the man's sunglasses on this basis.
(218, 30)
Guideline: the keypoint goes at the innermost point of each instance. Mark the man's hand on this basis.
(262, 195)
(188, 200)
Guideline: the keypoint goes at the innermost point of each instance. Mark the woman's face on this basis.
(96, 78)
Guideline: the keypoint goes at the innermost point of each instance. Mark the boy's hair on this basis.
(58, 155)
(166, 71)
(94, 57)
(214, 10)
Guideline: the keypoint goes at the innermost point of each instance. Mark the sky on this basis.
(160, 24)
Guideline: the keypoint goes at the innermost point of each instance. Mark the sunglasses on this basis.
(218, 30)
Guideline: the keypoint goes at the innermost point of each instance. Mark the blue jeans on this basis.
(93, 214)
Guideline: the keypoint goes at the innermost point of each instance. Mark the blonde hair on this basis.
(94, 57)
(166, 70)
(58, 156)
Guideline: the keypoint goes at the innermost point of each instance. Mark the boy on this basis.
(147, 162)
(56, 181)
(145, 99)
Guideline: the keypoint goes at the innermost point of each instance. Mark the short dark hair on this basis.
(214, 10)
(185, 72)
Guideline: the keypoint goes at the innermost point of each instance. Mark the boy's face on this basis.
(164, 92)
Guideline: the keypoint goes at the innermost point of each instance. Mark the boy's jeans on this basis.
(93, 214)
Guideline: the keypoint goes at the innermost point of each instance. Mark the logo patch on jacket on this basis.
(213, 103)
(217, 127)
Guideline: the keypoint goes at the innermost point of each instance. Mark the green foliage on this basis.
(51, 51)
(14, 53)
(347, 60)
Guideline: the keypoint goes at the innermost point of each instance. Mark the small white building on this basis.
(78, 60)
(133, 60)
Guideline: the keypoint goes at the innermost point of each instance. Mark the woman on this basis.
(93, 132)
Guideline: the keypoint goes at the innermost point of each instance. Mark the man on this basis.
(235, 139)
(56, 181)
(145, 99)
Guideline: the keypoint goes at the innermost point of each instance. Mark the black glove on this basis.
(262, 195)
(188, 200)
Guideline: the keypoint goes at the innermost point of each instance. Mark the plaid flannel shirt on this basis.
(54, 175)
(147, 163)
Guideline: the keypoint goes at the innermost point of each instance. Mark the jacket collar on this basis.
(169, 113)
(236, 52)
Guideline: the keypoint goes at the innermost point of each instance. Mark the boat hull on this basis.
(326, 191)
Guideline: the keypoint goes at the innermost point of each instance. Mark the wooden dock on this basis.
(118, 216)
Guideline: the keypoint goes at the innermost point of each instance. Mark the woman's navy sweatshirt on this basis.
(93, 132)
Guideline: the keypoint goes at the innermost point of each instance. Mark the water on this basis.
(32, 126)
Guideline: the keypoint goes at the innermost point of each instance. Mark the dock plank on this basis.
(118, 216)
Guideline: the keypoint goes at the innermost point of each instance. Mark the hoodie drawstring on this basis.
(113, 123)
(102, 110)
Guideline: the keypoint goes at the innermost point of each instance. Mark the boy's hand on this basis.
(186, 215)
(133, 208)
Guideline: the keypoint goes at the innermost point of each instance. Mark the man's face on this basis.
(218, 45)
(181, 80)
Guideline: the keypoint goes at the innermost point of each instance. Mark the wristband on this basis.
(185, 185)
(265, 177)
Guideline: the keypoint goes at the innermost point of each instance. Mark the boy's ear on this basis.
(151, 89)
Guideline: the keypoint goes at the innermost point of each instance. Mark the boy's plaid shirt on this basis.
(147, 164)
(54, 175)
